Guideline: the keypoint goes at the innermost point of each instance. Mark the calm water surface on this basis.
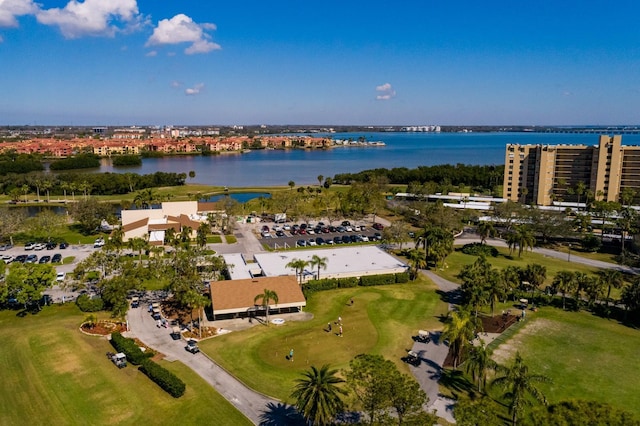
(278, 167)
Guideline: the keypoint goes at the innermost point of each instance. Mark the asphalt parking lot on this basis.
(290, 241)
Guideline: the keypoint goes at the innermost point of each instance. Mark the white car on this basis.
(40, 246)
(310, 231)
(364, 238)
(98, 243)
(348, 228)
(61, 276)
(312, 242)
(29, 246)
(7, 258)
(287, 227)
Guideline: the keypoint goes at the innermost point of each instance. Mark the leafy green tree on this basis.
(476, 412)
(201, 236)
(534, 274)
(460, 328)
(436, 242)
(318, 395)
(520, 385)
(580, 412)
(407, 400)
(89, 214)
(319, 262)
(11, 221)
(627, 223)
(368, 379)
(479, 363)
(590, 243)
(631, 296)
(114, 293)
(45, 224)
(266, 297)
(26, 282)
(416, 262)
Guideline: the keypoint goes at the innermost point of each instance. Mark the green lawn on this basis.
(456, 260)
(587, 357)
(381, 321)
(55, 375)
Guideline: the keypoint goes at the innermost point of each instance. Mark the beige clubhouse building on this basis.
(544, 174)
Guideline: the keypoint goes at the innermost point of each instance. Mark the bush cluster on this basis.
(87, 304)
(478, 249)
(126, 160)
(80, 161)
(163, 378)
(128, 347)
(313, 286)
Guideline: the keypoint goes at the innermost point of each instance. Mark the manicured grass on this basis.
(381, 321)
(56, 375)
(587, 357)
(231, 239)
(457, 260)
(214, 239)
(67, 260)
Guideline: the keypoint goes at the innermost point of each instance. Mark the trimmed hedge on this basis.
(128, 347)
(163, 378)
(88, 304)
(478, 249)
(312, 286)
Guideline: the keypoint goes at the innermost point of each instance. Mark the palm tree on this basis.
(564, 282)
(486, 229)
(519, 383)
(524, 238)
(416, 262)
(611, 278)
(459, 329)
(298, 265)
(318, 396)
(479, 363)
(320, 262)
(202, 232)
(535, 274)
(267, 296)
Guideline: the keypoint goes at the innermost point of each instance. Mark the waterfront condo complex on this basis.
(544, 174)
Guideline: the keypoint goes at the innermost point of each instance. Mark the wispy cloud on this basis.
(195, 90)
(152, 53)
(10, 9)
(176, 84)
(93, 17)
(385, 92)
(182, 29)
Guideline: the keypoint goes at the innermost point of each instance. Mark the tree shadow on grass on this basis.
(453, 297)
(278, 414)
(455, 381)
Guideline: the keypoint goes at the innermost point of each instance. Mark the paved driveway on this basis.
(259, 408)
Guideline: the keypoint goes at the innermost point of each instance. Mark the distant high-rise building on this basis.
(542, 174)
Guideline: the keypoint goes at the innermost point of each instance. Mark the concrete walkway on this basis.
(257, 407)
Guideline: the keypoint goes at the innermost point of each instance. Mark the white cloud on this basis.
(10, 9)
(385, 91)
(93, 17)
(176, 84)
(190, 91)
(151, 53)
(182, 29)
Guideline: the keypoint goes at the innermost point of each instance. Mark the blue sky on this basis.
(186, 62)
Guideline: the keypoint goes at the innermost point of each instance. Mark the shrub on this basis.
(402, 277)
(591, 243)
(126, 160)
(478, 249)
(312, 286)
(164, 378)
(87, 304)
(128, 347)
(384, 279)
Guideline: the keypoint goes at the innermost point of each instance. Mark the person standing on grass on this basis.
(340, 332)
(329, 326)
(291, 355)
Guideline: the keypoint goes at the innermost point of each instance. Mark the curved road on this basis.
(252, 404)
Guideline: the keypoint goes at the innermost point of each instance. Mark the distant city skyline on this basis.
(128, 62)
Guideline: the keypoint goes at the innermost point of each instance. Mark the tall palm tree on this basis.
(416, 262)
(459, 329)
(524, 238)
(479, 363)
(266, 297)
(535, 274)
(611, 278)
(298, 265)
(320, 262)
(318, 396)
(485, 230)
(519, 383)
(564, 282)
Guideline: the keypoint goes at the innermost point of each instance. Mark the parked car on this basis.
(6, 246)
(348, 228)
(341, 229)
(61, 276)
(20, 258)
(311, 242)
(311, 231)
(353, 238)
(57, 258)
(337, 240)
(301, 243)
(364, 238)
(377, 236)
(51, 245)
(99, 242)
(287, 227)
(7, 258)
(346, 239)
(332, 228)
(378, 226)
(320, 241)
(32, 258)
(266, 234)
(63, 245)
(280, 233)
(264, 228)
(29, 246)
(44, 259)
(40, 246)
(346, 223)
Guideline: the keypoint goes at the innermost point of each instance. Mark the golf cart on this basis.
(119, 359)
(135, 302)
(192, 346)
(412, 358)
(175, 333)
(423, 336)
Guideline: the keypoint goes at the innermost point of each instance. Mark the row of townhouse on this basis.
(109, 147)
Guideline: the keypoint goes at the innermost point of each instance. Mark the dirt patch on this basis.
(508, 350)
(103, 328)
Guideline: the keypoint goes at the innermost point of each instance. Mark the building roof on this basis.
(238, 295)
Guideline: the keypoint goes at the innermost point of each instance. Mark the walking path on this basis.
(257, 407)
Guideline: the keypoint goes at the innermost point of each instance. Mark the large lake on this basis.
(278, 167)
